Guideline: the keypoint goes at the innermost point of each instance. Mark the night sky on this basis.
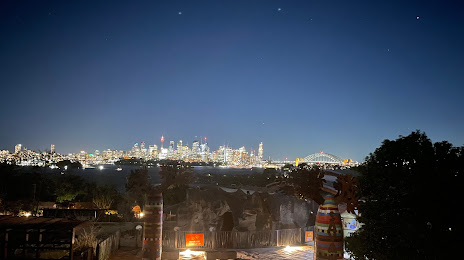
(300, 76)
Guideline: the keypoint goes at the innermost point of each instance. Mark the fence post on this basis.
(277, 231)
(213, 239)
(175, 239)
(97, 251)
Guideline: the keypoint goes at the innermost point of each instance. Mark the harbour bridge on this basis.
(320, 158)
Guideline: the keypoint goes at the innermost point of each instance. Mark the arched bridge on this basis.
(322, 158)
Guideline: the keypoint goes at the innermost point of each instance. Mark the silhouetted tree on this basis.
(138, 185)
(304, 182)
(105, 196)
(69, 164)
(347, 191)
(409, 207)
(175, 180)
(68, 187)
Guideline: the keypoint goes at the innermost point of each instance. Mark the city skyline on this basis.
(299, 76)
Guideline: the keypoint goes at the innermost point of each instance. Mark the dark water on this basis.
(109, 175)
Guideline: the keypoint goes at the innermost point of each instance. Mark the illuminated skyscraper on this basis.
(52, 148)
(18, 148)
(143, 150)
(260, 151)
(152, 149)
(162, 141)
(171, 146)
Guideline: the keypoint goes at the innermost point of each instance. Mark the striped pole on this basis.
(153, 222)
(329, 232)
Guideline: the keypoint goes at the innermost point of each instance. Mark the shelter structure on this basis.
(37, 237)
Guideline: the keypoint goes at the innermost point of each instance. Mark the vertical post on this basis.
(175, 239)
(277, 237)
(152, 233)
(71, 253)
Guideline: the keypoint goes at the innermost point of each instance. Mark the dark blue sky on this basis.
(337, 76)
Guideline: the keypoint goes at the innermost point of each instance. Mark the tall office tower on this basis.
(260, 151)
(162, 141)
(204, 151)
(221, 153)
(151, 149)
(195, 150)
(195, 147)
(179, 149)
(52, 148)
(171, 146)
(143, 150)
(18, 148)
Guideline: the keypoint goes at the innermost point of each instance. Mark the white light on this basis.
(100, 167)
(290, 249)
(27, 214)
(141, 214)
(189, 253)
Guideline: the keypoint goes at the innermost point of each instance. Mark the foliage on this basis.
(68, 187)
(408, 205)
(257, 179)
(88, 238)
(175, 180)
(138, 185)
(69, 164)
(25, 186)
(104, 196)
(347, 192)
(304, 182)
(174, 174)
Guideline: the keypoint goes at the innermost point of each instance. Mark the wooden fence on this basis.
(235, 239)
(106, 247)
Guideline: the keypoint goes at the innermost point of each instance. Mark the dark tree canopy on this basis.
(175, 180)
(138, 185)
(175, 174)
(409, 200)
(304, 182)
(347, 192)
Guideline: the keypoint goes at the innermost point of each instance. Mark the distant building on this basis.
(18, 148)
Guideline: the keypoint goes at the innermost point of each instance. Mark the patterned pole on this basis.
(329, 232)
(152, 233)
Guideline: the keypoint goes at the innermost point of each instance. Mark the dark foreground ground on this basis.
(271, 253)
